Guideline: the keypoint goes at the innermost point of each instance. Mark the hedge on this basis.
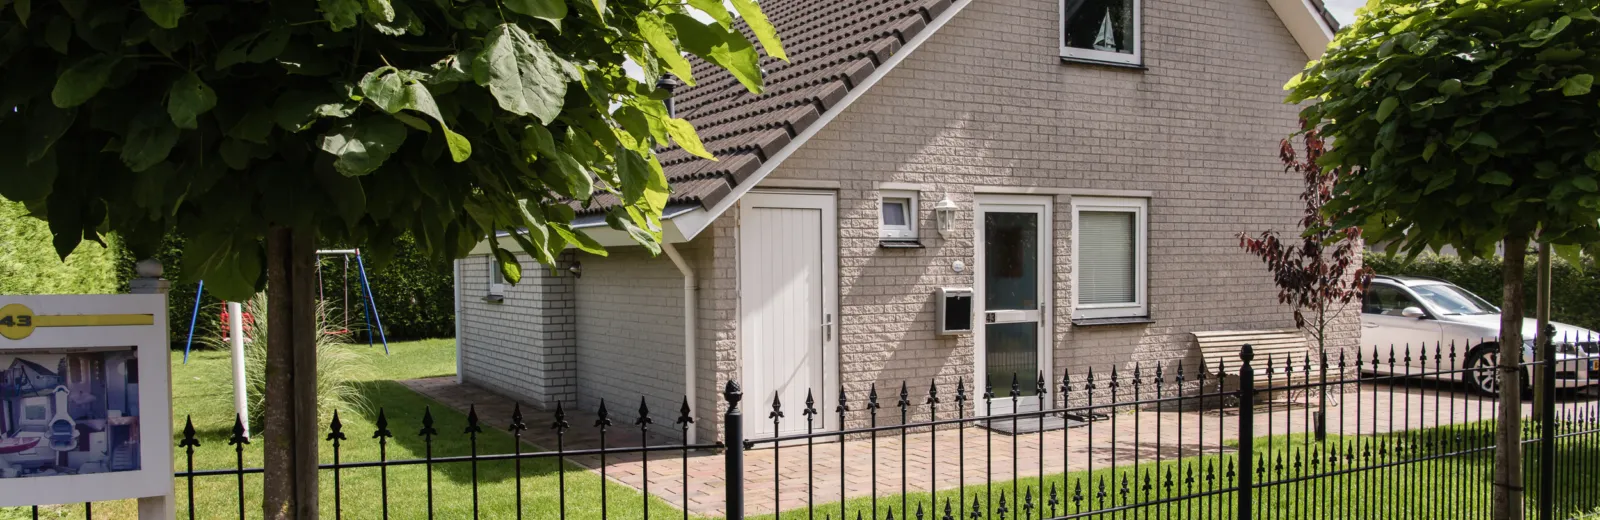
(1573, 296)
(29, 265)
(414, 293)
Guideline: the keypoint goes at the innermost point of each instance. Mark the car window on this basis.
(1387, 300)
(1454, 300)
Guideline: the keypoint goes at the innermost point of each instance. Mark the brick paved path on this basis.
(1124, 438)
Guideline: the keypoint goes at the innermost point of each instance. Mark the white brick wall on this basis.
(524, 346)
(630, 334)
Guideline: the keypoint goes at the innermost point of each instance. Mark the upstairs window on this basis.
(1101, 30)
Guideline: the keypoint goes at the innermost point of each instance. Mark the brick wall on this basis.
(524, 346)
(630, 334)
(986, 104)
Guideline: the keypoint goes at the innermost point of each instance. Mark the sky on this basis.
(1343, 10)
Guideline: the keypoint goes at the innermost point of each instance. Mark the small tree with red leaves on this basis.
(1317, 272)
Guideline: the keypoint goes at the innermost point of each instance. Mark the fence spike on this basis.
(988, 388)
(427, 431)
(872, 399)
(1039, 386)
(383, 426)
(1002, 510)
(1089, 383)
(905, 397)
(1138, 374)
(961, 390)
(844, 405)
(560, 424)
(604, 417)
(1160, 376)
(238, 437)
(919, 510)
(777, 408)
(335, 429)
(890, 516)
(1027, 503)
(1055, 499)
(189, 439)
(472, 421)
(644, 419)
(977, 511)
(517, 425)
(811, 406)
(1016, 385)
(949, 514)
(685, 414)
(933, 393)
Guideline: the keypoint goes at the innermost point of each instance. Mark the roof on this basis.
(837, 49)
(1411, 280)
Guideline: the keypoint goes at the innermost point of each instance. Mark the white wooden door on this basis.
(788, 265)
(1013, 279)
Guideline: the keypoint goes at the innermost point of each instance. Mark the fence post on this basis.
(733, 424)
(1245, 494)
(1547, 430)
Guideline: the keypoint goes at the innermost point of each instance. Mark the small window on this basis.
(1101, 30)
(497, 280)
(1109, 238)
(898, 216)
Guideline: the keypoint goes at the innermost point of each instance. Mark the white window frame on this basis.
(1074, 53)
(906, 232)
(1140, 307)
(497, 281)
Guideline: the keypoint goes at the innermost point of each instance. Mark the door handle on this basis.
(827, 327)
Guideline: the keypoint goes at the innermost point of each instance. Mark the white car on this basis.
(1429, 318)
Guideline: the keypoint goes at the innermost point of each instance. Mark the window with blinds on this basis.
(1108, 255)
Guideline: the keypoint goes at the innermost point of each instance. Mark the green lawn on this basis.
(1397, 491)
(203, 388)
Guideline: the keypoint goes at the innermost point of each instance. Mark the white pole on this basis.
(236, 338)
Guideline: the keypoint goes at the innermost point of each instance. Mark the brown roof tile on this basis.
(833, 45)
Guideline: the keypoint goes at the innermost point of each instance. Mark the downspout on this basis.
(689, 332)
(457, 294)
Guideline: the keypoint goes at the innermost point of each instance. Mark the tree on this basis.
(1319, 276)
(1466, 123)
(255, 129)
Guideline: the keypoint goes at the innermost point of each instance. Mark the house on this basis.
(1081, 166)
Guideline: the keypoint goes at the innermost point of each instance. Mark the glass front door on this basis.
(1011, 294)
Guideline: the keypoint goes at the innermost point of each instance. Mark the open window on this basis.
(1109, 241)
(1101, 30)
(898, 216)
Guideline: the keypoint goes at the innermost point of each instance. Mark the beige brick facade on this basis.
(987, 106)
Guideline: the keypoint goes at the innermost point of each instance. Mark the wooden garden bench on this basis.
(1220, 350)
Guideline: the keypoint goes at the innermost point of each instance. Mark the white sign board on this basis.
(85, 400)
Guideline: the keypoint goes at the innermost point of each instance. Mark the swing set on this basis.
(368, 306)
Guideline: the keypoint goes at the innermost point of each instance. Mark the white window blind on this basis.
(1106, 257)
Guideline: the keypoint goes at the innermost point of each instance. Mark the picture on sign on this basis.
(68, 413)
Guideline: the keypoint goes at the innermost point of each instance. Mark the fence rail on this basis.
(1139, 442)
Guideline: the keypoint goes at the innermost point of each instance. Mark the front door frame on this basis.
(828, 388)
(1044, 206)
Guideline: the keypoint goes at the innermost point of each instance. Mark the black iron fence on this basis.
(1379, 435)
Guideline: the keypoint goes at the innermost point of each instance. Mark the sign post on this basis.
(85, 400)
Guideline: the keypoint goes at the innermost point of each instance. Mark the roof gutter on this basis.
(690, 224)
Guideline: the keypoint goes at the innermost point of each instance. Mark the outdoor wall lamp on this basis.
(576, 269)
(944, 215)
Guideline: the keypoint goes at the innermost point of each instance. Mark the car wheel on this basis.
(1483, 373)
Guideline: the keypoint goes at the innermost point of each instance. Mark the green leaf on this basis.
(83, 80)
(296, 110)
(600, 8)
(654, 32)
(1496, 177)
(150, 139)
(164, 13)
(684, 134)
(421, 100)
(58, 33)
(1429, 149)
(761, 26)
(385, 88)
(1577, 85)
(24, 180)
(716, 44)
(363, 145)
(1585, 183)
(24, 10)
(45, 125)
(253, 48)
(619, 219)
(341, 14)
(188, 99)
(1387, 107)
(383, 9)
(1450, 86)
(1571, 253)
(548, 10)
(716, 9)
(522, 74)
(1593, 160)
(1484, 139)
(510, 268)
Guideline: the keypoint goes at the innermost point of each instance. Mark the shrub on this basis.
(29, 265)
(1573, 291)
(338, 367)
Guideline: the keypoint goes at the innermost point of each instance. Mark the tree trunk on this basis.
(1508, 442)
(1321, 426)
(289, 429)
